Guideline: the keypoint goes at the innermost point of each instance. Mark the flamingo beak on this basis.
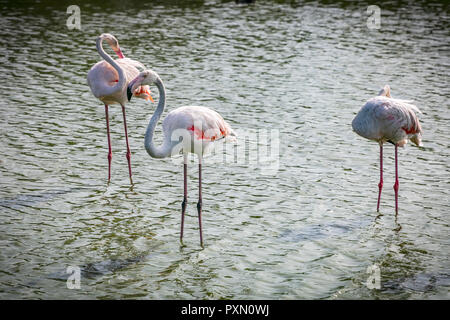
(129, 92)
(120, 54)
(131, 87)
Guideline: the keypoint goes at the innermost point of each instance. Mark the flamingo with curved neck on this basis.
(108, 81)
(199, 127)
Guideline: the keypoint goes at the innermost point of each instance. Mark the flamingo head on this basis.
(113, 43)
(146, 77)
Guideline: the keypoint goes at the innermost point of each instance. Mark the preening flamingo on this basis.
(385, 119)
(199, 128)
(108, 80)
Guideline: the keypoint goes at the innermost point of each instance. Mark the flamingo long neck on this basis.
(122, 81)
(165, 149)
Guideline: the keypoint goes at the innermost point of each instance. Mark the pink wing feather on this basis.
(206, 124)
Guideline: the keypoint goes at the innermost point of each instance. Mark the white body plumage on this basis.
(102, 77)
(383, 119)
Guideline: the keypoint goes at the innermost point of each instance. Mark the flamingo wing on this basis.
(205, 124)
(388, 119)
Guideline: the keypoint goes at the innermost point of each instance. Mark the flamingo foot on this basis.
(129, 165)
(199, 209)
(396, 184)
(184, 203)
(128, 155)
(183, 210)
(109, 143)
(200, 201)
(380, 184)
(396, 187)
(109, 165)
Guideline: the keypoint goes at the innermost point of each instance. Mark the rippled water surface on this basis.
(306, 230)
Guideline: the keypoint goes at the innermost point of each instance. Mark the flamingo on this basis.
(198, 126)
(385, 119)
(108, 81)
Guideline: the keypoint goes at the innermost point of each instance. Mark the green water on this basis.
(306, 230)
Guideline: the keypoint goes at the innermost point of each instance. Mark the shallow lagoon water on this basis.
(306, 230)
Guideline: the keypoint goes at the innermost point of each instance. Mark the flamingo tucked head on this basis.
(146, 77)
(113, 43)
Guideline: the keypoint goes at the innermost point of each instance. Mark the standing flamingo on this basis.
(108, 81)
(383, 119)
(199, 127)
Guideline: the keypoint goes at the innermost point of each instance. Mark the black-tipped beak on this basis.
(129, 93)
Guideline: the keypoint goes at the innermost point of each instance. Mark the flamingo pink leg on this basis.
(109, 143)
(184, 203)
(396, 181)
(128, 146)
(199, 203)
(380, 184)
